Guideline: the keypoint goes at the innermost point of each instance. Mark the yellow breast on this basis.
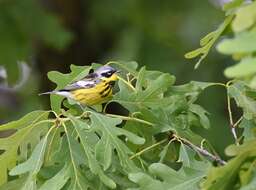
(101, 93)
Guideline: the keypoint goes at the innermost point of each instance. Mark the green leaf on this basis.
(188, 158)
(61, 80)
(57, 181)
(34, 163)
(238, 91)
(29, 129)
(226, 177)
(251, 185)
(242, 43)
(184, 179)
(14, 184)
(71, 162)
(164, 152)
(245, 68)
(184, 156)
(191, 90)
(126, 66)
(223, 178)
(25, 121)
(76, 158)
(149, 91)
(245, 17)
(208, 41)
(94, 165)
(106, 126)
(249, 129)
(103, 151)
(171, 119)
(201, 113)
(232, 5)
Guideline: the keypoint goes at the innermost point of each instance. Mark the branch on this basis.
(201, 151)
(231, 121)
(147, 149)
(130, 119)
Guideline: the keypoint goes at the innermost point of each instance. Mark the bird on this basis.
(95, 88)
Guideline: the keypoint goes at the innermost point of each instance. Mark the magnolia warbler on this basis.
(95, 88)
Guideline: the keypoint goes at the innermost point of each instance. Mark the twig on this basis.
(147, 149)
(238, 121)
(201, 151)
(127, 83)
(231, 122)
(131, 119)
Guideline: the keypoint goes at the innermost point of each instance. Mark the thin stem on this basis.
(233, 131)
(105, 107)
(147, 149)
(47, 157)
(127, 83)
(113, 62)
(201, 151)
(131, 119)
(229, 105)
(219, 84)
(167, 146)
(238, 121)
(121, 65)
(127, 77)
(230, 111)
(231, 121)
(211, 148)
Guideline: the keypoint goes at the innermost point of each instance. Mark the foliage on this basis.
(87, 150)
(208, 41)
(241, 20)
(241, 45)
(154, 146)
(239, 172)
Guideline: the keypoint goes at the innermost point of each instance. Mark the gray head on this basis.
(105, 71)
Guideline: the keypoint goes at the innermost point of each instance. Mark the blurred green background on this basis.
(52, 34)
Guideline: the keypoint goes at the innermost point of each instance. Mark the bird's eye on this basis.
(107, 74)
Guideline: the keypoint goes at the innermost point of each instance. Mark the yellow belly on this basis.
(93, 96)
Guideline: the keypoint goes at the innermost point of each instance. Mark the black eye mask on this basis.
(108, 74)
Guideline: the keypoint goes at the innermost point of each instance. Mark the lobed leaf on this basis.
(238, 91)
(106, 126)
(241, 43)
(149, 90)
(246, 67)
(29, 130)
(169, 178)
(226, 177)
(208, 41)
(245, 17)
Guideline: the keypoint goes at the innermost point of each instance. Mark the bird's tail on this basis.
(58, 92)
(51, 92)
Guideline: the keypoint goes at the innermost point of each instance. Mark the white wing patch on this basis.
(85, 84)
(64, 93)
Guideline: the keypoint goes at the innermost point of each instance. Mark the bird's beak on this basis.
(118, 71)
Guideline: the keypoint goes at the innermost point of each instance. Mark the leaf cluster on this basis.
(240, 170)
(70, 148)
(155, 145)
